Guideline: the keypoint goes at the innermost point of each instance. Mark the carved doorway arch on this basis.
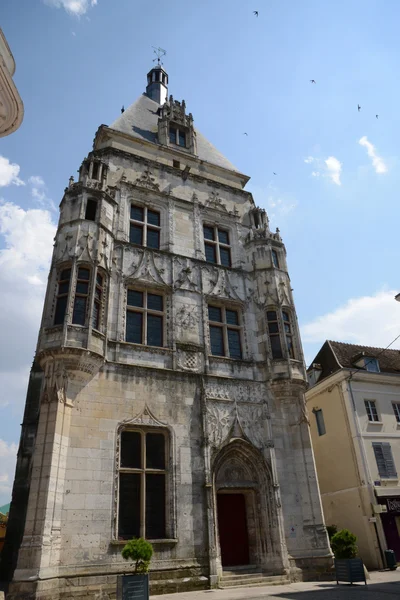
(240, 469)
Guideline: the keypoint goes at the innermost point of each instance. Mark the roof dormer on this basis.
(175, 127)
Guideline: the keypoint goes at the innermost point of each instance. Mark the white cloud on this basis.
(38, 190)
(36, 180)
(377, 162)
(26, 239)
(73, 7)
(367, 320)
(330, 167)
(334, 168)
(278, 207)
(9, 173)
(8, 458)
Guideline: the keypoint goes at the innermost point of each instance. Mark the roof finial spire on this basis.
(159, 52)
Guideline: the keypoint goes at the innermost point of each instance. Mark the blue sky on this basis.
(79, 61)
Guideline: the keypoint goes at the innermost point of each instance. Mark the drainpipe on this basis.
(378, 529)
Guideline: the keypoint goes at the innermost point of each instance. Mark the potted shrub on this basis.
(139, 552)
(348, 566)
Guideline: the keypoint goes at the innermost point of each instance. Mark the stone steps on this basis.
(250, 576)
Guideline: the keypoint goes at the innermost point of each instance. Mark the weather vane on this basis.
(159, 52)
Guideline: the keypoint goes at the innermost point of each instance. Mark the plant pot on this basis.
(133, 587)
(350, 570)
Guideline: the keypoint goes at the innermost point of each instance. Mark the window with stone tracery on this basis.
(64, 278)
(142, 483)
(87, 303)
(225, 331)
(280, 331)
(217, 245)
(145, 227)
(145, 318)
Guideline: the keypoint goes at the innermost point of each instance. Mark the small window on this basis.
(275, 259)
(81, 297)
(142, 484)
(372, 413)
(274, 334)
(217, 245)
(371, 364)
(396, 410)
(145, 318)
(145, 227)
(225, 332)
(177, 136)
(384, 460)
(96, 170)
(91, 209)
(319, 418)
(176, 164)
(62, 296)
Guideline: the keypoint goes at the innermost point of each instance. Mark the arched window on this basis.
(142, 483)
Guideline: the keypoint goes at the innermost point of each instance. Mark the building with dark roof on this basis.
(167, 399)
(353, 404)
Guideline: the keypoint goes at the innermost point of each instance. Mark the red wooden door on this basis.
(232, 527)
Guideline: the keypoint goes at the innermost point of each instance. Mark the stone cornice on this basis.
(105, 130)
(103, 152)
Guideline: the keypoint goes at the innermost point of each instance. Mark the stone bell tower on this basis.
(166, 398)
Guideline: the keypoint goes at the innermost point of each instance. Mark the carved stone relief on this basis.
(189, 360)
(217, 282)
(146, 270)
(187, 317)
(146, 180)
(187, 276)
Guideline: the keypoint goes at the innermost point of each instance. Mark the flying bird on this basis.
(377, 116)
(273, 173)
(245, 133)
(312, 81)
(359, 107)
(255, 12)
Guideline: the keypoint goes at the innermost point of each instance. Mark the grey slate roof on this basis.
(140, 120)
(336, 355)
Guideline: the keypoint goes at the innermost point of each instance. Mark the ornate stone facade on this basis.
(227, 399)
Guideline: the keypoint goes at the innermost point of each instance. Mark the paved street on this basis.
(382, 586)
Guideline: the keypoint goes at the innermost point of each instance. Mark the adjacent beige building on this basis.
(11, 107)
(354, 409)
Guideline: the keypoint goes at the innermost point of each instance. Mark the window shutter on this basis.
(380, 459)
(388, 456)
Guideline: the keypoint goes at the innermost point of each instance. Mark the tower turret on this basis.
(157, 84)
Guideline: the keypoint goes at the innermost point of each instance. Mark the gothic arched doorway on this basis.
(244, 512)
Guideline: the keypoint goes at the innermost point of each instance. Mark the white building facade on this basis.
(167, 395)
